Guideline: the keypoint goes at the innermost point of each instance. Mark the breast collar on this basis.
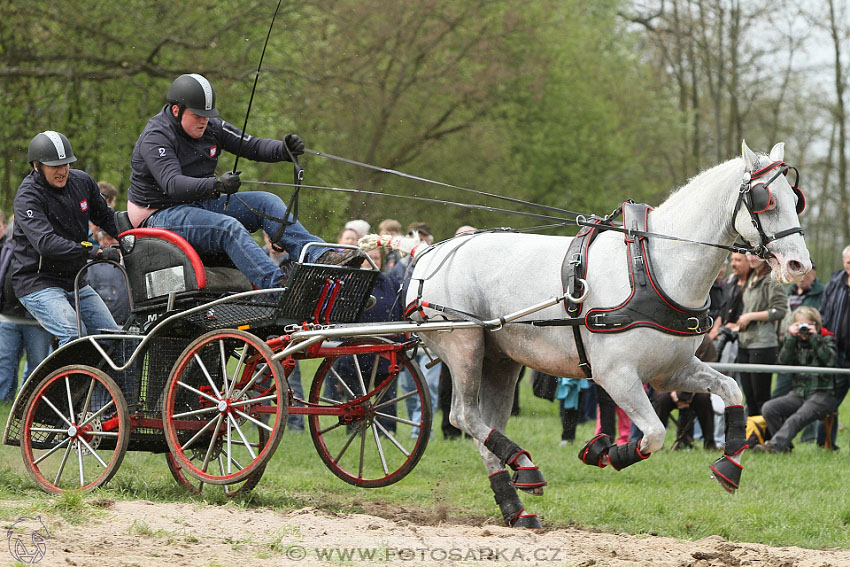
(647, 305)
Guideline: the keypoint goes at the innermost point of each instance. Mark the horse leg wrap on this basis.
(507, 451)
(736, 430)
(725, 470)
(595, 451)
(621, 456)
(529, 479)
(509, 503)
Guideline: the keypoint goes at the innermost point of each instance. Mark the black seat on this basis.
(160, 263)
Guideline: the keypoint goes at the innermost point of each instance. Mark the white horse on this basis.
(491, 274)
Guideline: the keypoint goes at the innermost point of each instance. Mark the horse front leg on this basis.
(627, 392)
(699, 377)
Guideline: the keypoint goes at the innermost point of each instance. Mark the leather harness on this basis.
(647, 305)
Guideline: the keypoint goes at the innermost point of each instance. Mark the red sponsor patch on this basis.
(213, 151)
(84, 205)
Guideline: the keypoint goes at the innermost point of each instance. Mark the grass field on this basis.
(800, 499)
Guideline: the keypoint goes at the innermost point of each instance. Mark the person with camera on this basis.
(812, 396)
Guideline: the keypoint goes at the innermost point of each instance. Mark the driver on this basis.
(53, 207)
(173, 186)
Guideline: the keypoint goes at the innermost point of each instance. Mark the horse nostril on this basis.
(795, 267)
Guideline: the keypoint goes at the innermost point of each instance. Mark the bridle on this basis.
(757, 198)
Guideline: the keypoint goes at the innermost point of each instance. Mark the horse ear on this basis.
(778, 152)
(749, 155)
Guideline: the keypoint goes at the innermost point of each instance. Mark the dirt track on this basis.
(146, 534)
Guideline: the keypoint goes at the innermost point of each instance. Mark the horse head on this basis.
(765, 214)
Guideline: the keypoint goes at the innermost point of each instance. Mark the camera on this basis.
(804, 329)
(725, 335)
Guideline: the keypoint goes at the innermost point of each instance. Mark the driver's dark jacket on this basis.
(169, 167)
(50, 225)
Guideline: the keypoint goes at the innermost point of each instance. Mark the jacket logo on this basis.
(213, 151)
(84, 205)
(161, 152)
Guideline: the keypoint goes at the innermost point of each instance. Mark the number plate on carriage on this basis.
(162, 282)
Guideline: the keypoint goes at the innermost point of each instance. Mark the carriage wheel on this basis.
(196, 486)
(222, 391)
(358, 428)
(76, 430)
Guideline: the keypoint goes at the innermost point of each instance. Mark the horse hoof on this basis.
(528, 521)
(529, 479)
(727, 472)
(594, 452)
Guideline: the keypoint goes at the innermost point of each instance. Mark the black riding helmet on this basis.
(50, 148)
(194, 92)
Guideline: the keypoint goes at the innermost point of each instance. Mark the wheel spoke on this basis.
(362, 453)
(256, 422)
(375, 363)
(247, 401)
(380, 448)
(238, 371)
(53, 449)
(392, 438)
(97, 414)
(241, 436)
(213, 441)
(341, 381)
(398, 419)
(345, 446)
(223, 358)
(92, 451)
(206, 373)
(87, 403)
(397, 399)
(64, 460)
(195, 412)
(59, 413)
(200, 393)
(70, 402)
(199, 433)
(359, 375)
(48, 430)
(80, 460)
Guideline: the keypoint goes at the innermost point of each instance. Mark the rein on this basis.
(579, 219)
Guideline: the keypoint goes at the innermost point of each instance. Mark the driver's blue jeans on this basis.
(53, 307)
(212, 229)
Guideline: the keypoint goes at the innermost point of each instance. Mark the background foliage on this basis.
(572, 103)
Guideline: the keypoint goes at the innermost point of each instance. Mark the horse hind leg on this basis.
(498, 451)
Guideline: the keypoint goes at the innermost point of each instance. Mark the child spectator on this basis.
(812, 395)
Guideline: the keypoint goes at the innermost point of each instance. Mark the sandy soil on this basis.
(141, 533)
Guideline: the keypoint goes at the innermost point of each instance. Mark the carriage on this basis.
(200, 373)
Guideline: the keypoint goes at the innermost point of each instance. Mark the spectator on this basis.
(109, 192)
(765, 304)
(570, 393)
(50, 239)
(348, 236)
(835, 310)
(806, 293)
(731, 307)
(19, 332)
(173, 186)
(812, 396)
(359, 226)
(393, 228)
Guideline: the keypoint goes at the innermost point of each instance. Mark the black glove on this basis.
(294, 143)
(89, 250)
(228, 183)
(110, 253)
